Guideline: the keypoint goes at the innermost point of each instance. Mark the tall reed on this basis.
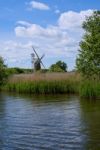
(90, 89)
(49, 83)
(53, 83)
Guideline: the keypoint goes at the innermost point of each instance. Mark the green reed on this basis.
(54, 84)
(43, 87)
(90, 89)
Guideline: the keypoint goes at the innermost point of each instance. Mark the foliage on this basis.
(58, 67)
(17, 70)
(3, 73)
(88, 61)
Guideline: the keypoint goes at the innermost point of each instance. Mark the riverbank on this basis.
(54, 83)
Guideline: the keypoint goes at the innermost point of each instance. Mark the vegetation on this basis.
(3, 73)
(53, 83)
(90, 89)
(88, 61)
(58, 67)
(16, 70)
(48, 83)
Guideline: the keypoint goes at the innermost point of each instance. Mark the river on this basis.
(59, 122)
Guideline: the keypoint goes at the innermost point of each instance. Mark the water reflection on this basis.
(91, 118)
(59, 122)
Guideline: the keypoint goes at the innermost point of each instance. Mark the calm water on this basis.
(48, 123)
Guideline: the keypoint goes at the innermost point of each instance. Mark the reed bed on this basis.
(54, 83)
(44, 76)
(90, 89)
(48, 83)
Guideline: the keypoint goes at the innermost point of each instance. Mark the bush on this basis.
(3, 72)
(58, 67)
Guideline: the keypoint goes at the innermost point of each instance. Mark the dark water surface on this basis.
(49, 123)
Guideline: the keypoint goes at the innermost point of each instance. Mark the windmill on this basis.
(36, 60)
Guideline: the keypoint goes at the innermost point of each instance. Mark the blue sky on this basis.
(52, 26)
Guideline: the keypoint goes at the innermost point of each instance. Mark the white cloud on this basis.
(68, 22)
(24, 23)
(34, 30)
(38, 5)
(16, 53)
(52, 38)
(71, 19)
(67, 33)
(28, 31)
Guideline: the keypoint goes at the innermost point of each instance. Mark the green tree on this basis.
(3, 73)
(88, 61)
(59, 66)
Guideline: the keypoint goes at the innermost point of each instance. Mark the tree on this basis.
(88, 61)
(58, 67)
(3, 73)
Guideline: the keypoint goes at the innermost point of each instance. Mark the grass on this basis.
(90, 89)
(53, 83)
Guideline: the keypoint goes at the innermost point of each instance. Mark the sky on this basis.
(53, 27)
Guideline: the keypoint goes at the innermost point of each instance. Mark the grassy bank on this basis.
(53, 83)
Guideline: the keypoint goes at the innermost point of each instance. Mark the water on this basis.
(49, 123)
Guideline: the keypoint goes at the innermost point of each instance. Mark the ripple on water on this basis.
(57, 123)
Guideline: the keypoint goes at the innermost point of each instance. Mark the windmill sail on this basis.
(37, 61)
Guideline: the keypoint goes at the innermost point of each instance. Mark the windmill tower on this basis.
(36, 60)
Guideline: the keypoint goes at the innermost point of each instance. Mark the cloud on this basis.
(67, 33)
(24, 23)
(16, 53)
(25, 29)
(72, 19)
(68, 22)
(38, 5)
(52, 38)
